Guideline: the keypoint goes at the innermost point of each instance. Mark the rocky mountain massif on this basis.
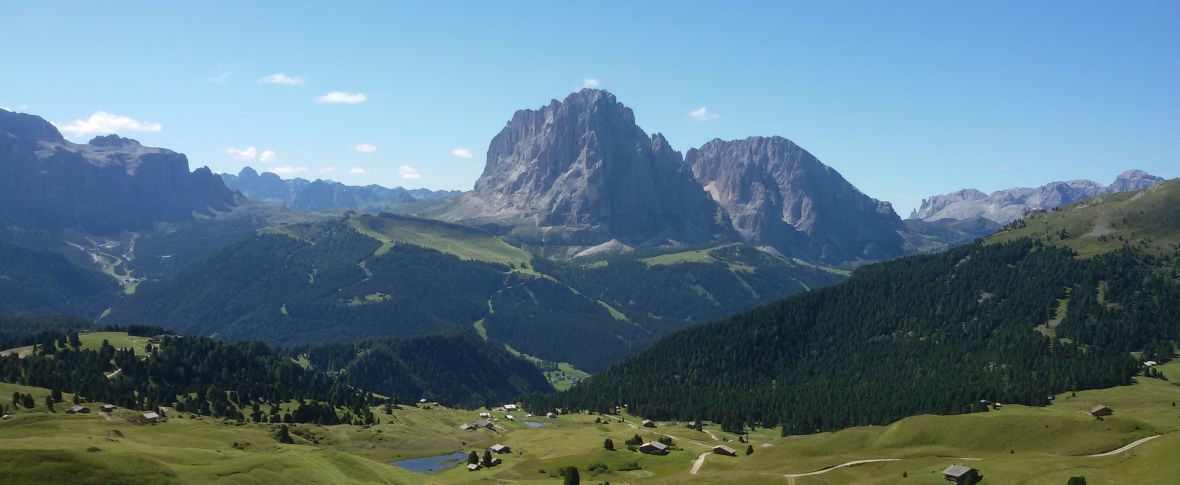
(778, 195)
(106, 186)
(580, 172)
(304, 195)
(1005, 206)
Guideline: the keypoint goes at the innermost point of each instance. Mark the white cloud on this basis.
(102, 122)
(461, 152)
(702, 114)
(364, 148)
(268, 156)
(408, 172)
(247, 154)
(342, 97)
(327, 170)
(590, 83)
(287, 170)
(280, 78)
(357, 171)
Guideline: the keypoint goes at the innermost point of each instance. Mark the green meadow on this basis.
(1017, 444)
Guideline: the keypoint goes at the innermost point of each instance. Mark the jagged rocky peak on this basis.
(1004, 206)
(779, 195)
(103, 187)
(580, 172)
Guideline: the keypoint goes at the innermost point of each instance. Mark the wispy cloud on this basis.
(251, 153)
(342, 97)
(357, 171)
(220, 78)
(280, 78)
(327, 170)
(408, 172)
(461, 152)
(591, 83)
(102, 122)
(287, 170)
(364, 148)
(702, 114)
(247, 154)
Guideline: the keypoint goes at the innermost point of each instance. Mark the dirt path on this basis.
(700, 461)
(851, 463)
(105, 415)
(1125, 448)
(711, 435)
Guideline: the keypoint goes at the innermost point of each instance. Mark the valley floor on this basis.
(1015, 445)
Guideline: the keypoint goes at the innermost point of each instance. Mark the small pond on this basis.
(533, 424)
(432, 463)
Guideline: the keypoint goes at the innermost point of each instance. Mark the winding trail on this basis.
(700, 461)
(851, 463)
(1125, 448)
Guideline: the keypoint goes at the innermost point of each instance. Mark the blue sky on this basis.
(905, 99)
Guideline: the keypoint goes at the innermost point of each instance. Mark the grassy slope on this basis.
(1148, 219)
(463, 242)
(1016, 445)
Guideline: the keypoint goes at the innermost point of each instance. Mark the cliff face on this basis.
(581, 172)
(1005, 206)
(779, 195)
(109, 185)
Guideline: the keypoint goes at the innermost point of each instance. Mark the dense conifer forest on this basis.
(192, 375)
(457, 368)
(926, 334)
(34, 282)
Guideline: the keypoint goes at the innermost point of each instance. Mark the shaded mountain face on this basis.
(581, 172)
(1005, 206)
(106, 186)
(777, 194)
(304, 195)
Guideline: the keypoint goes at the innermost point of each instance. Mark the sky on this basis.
(905, 99)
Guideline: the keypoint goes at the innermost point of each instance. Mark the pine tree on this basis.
(49, 403)
(487, 458)
(749, 450)
(608, 444)
(571, 476)
(472, 459)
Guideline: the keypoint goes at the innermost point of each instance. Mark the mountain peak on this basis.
(112, 141)
(580, 172)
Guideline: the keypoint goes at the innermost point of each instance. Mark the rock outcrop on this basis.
(109, 185)
(580, 172)
(1005, 206)
(780, 196)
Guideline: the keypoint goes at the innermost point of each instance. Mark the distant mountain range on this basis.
(304, 195)
(106, 186)
(1005, 206)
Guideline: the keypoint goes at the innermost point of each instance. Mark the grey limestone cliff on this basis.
(580, 172)
(778, 195)
(108, 185)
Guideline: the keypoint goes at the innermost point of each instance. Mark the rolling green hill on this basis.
(1019, 444)
(1147, 221)
(366, 276)
(1014, 320)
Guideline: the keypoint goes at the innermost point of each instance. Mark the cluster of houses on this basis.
(498, 449)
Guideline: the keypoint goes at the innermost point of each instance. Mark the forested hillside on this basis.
(457, 368)
(193, 375)
(315, 283)
(36, 282)
(357, 277)
(925, 334)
